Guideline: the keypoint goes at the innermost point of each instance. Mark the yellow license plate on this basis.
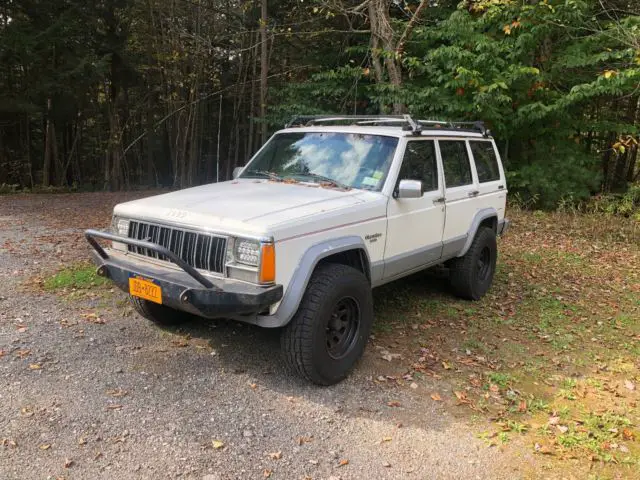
(145, 289)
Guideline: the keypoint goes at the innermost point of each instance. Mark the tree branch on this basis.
(410, 26)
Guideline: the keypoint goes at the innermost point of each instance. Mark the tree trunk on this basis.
(50, 147)
(264, 65)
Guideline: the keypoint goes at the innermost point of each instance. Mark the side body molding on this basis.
(480, 216)
(300, 278)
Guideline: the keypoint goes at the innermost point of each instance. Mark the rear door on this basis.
(461, 190)
(415, 225)
(491, 181)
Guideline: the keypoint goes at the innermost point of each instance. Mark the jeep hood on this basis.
(248, 206)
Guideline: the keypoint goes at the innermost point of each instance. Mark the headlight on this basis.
(251, 261)
(247, 252)
(120, 226)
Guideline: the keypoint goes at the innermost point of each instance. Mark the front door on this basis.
(461, 190)
(414, 228)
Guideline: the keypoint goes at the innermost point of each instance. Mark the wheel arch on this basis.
(485, 217)
(350, 250)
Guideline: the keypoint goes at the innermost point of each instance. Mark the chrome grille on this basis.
(200, 250)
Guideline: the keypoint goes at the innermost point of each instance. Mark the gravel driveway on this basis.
(90, 390)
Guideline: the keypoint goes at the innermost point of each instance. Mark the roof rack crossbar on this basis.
(407, 121)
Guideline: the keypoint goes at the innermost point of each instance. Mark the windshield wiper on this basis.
(272, 176)
(327, 180)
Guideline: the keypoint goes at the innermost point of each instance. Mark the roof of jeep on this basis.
(389, 131)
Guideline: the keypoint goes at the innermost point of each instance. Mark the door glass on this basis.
(419, 163)
(455, 160)
(486, 161)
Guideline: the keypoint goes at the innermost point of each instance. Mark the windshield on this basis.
(344, 159)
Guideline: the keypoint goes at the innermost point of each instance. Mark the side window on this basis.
(419, 163)
(455, 160)
(486, 161)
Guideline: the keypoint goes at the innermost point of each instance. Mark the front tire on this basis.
(329, 332)
(472, 275)
(158, 314)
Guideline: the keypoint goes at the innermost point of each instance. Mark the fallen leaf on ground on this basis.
(446, 366)
(276, 455)
(629, 385)
(342, 463)
(7, 442)
(522, 406)
(26, 411)
(628, 434)
(394, 404)
(114, 407)
(118, 392)
(82, 441)
(35, 366)
(388, 356)
(93, 318)
(436, 397)
(181, 343)
(386, 439)
(45, 446)
(23, 353)
(543, 449)
(302, 440)
(68, 463)
(217, 444)
(267, 473)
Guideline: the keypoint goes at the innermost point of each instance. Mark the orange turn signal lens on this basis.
(268, 264)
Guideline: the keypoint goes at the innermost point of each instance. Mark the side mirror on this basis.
(236, 172)
(410, 189)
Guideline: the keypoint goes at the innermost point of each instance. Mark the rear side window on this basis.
(486, 161)
(420, 163)
(455, 160)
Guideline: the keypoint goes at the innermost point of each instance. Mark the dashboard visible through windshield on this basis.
(346, 160)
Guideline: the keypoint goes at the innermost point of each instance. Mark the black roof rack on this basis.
(405, 121)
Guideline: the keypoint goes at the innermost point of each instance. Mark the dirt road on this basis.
(91, 390)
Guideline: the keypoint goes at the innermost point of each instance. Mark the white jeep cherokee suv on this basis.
(329, 208)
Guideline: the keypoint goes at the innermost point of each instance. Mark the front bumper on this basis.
(207, 297)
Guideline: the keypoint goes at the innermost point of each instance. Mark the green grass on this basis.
(80, 276)
(500, 379)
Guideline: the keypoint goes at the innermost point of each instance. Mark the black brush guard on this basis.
(187, 290)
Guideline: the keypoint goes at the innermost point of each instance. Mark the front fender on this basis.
(300, 278)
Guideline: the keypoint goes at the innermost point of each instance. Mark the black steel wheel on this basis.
(342, 327)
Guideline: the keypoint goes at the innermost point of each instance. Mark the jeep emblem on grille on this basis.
(175, 213)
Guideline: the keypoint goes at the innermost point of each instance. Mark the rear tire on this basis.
(328, 333)
(472, 275)
(158, 314)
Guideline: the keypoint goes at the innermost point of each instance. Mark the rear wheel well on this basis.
(356, 258)
(491, 222)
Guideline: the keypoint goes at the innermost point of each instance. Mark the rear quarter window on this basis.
(486, 161)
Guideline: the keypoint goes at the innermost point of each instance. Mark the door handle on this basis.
(475, 193)
(439, 200)
(500, 187)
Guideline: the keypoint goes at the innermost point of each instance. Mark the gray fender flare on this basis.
(481, 215)
(300, 278)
